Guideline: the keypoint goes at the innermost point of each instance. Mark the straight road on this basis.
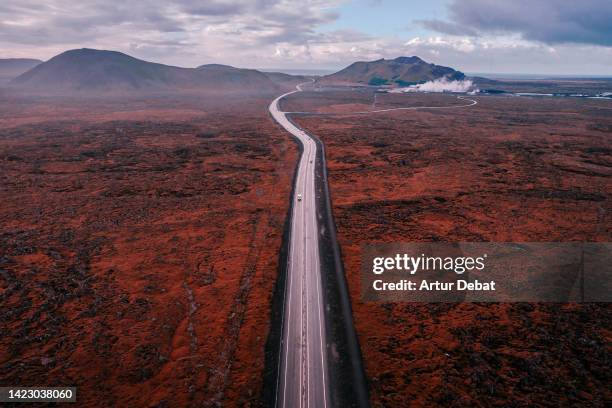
(303, 363)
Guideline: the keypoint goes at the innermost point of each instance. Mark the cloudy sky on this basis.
(486, 36)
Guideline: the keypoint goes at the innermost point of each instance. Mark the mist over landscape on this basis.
(441, 85)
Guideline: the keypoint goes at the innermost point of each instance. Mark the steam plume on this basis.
(439, 85)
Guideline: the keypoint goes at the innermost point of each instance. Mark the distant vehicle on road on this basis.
(299, 197)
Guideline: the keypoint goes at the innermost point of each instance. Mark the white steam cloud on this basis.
(439, 85)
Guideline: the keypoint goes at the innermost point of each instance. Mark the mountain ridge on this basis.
(13, 67)
(88, 69)
(400, 71)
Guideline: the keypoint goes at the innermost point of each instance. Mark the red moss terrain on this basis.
(507, 169)
(139, 246)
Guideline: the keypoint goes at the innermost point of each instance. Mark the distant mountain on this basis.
(98, 70)
(402, 71)
(13, 67)
(235, 77)
(281, 77)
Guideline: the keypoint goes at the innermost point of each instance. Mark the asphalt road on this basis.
(303, 363)
(471, 102)
(303, 370)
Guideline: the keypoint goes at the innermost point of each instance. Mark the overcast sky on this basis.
(490, 36)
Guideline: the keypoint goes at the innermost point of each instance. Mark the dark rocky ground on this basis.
(139, 246)
(507, 169)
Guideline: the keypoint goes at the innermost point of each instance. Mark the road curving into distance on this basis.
(303, 366)
(303, 370)
(471, 102)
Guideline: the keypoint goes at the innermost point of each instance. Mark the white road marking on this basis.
(303, 381)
